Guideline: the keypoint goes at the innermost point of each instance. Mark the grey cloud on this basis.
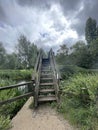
(42, 4)
(2, 14)
(70, 6)
(90, 9)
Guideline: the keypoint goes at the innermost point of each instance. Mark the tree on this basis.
(26, 53)
(94, 52)
(91, 30)
(32, 55)
(80, 55)
(11, 61)
(2, 55)
(62, 54)
(63, 50)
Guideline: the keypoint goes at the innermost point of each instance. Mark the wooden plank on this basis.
(47, 98)
(16, 98)
(46, 84)
(46, 90)
(15, 86)
(46, 78)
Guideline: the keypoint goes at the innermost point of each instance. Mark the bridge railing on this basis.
(17, 97)
(36, 77)
(56, 73)
(54, 65)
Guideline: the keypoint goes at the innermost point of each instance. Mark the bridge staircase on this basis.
(46, 85)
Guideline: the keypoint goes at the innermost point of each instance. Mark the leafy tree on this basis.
(32, 55)
(2, 55)
(63, 50)
(93, 49)
(26, 53)
(11, 61)
(80, 55)
(91, 30)
(62, 54)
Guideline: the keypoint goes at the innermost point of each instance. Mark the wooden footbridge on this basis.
(44, 83)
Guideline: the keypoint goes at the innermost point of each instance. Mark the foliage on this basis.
(16, 74)
(26, 53)
(79, 100)
(91, 32)
(4, 123)
(68, 71)
(10, 77)
(2, 55)
(80, 55)
(62, 54)
(10, 61)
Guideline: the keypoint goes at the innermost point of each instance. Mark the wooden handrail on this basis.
(18, 97)
(15, 98)
(36, 65)
(15, 86)
(56, 74)
(52, 58)
(36, 77)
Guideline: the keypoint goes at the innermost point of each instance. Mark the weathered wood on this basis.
(16, 98)
(46, 98)
(36, 67)
(56, 74)
(37, 78)
(15, 86)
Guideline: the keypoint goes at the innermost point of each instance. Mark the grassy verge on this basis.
(79, 103)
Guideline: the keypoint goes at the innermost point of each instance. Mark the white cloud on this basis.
(47, 28)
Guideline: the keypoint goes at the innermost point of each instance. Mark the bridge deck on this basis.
(44, 118)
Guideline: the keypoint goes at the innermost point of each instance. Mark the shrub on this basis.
(79, 100)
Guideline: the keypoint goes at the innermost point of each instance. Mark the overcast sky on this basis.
(47, 23)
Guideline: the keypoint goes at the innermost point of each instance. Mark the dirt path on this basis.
(44, 118)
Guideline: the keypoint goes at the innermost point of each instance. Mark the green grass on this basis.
(4, 123)
(78, 103)
(8, 111)
(68, 71)
(16, 74)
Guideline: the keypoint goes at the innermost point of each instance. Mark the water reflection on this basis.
(23, 88)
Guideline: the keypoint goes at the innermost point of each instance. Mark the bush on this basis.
(69, 70)
(79, 100)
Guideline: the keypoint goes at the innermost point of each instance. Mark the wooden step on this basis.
(46, 90)
(46, 98)
(46, 75)
(45, 67)
(46, 84)
(46, 78)
(46, 70)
